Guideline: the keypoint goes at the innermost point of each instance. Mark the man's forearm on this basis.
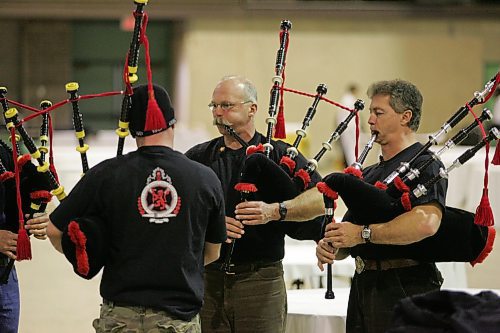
(413, 226)
(305, 206)
(55, 236)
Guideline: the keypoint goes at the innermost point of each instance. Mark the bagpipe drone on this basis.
(83, 238)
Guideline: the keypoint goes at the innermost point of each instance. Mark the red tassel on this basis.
(405, 201)
(484, 215)
(78, 238)
(245, 187)
(21, 161)
(280, 132)
(496, 157)
(327, 191)
(255, 149)
(23, 250)
(380, 185)
(304, 176)
(487, 248)
(289, 163)
(353, 171)
(6, 176)
(154, 115)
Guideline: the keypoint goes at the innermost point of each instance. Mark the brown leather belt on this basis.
(382, 265)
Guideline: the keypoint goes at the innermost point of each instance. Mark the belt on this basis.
(113, 304)
(4, 261)
(243, 267)
(382, 265)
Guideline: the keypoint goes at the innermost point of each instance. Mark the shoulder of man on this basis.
(197, 152)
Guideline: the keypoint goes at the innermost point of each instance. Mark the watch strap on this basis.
(282, 210)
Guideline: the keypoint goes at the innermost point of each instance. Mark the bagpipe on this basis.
(460, 237)
(32, 186)
(329, 197)
(262, 176)
(39, 172)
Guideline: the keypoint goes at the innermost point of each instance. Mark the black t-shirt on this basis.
(379, 171)
(159, 208)
(262, 242)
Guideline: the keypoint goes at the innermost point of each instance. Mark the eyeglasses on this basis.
(225, 106)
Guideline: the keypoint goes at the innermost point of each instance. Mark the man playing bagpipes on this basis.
(9, 224)
(378, 284)
(153, 219)
(248, 294)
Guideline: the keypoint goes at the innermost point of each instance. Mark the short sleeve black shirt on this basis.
(155, 259)
(378, 172)
(262, 242)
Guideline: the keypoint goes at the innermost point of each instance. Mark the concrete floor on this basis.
(53, 298)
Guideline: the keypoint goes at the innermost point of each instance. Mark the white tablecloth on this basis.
(300, 263)
(310, 312)
(465, 183)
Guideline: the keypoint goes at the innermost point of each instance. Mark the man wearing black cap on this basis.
(164, 219)
(250, 296)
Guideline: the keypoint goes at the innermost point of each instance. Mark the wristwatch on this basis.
(366, 233)
(282, 210)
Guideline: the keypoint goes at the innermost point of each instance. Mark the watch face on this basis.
(366, 233)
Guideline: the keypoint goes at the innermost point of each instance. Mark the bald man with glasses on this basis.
(251, 296)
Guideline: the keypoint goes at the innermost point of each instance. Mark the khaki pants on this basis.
(139, 319)
(245, 302)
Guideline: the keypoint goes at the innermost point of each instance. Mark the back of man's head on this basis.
(144, 117)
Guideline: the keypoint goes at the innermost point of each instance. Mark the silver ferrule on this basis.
(335, 137)
(480, 95)
(292, 152)
(454, 165)
(444, 173)
(419, 191)
(412, 174)
(391, 177)
(329, 211)
(356, 165)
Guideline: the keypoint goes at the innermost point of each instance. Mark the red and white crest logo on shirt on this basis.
(159, 199)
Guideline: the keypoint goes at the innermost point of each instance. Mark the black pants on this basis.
(374, 294)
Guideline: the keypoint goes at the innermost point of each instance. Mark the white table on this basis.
(309, 311)
(300, 263)
(465, 183)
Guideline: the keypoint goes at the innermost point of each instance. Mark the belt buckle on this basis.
(360, 265)
(227, 269)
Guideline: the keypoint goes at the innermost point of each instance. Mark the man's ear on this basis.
(406, 117)
(253, 109)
